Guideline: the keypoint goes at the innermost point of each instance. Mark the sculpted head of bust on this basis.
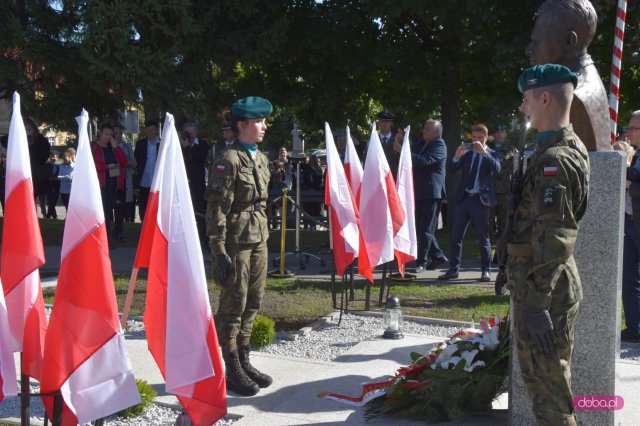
(562, 32)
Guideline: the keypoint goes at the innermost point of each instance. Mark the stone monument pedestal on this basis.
(598, 254)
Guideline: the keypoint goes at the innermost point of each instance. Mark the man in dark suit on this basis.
(194, 152)
(387, 134)
(631, 250)
(429, 158)
(228, 138)
(474, 197)
(146, 154)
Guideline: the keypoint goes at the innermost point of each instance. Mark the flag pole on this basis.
(333, 263)
(127, 303)
(25, 397)
(616, 67)
(282, 273)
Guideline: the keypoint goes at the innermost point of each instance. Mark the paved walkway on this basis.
(292, 399)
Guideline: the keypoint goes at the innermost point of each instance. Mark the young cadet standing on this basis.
(238, 231)
(541, 271)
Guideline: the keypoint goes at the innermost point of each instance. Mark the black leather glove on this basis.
(223, 268)
(538, 324)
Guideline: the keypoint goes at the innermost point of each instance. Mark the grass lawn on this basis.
(295, 303)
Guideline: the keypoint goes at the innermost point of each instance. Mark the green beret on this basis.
(251, 107)
(545, 75)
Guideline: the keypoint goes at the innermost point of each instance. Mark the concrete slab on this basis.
(628, 387)
(297, 383)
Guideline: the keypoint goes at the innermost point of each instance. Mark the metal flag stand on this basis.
(282, 273)
(303, 257)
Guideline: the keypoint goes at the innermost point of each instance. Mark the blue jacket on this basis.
(490, 165)
(429, 169)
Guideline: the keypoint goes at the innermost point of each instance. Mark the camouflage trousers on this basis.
(241, 296)
(498, 220)
(547, 377)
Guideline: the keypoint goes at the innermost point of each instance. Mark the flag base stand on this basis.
(281, 274)
(400, 278)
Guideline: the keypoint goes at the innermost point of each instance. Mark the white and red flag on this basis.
(342, 208)
(353, 167)
(85, 357)
(384, 213)
(22, 252)
(8, 385)
(405, 241)
(180, 329)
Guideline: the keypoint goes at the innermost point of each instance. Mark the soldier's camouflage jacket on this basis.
(506, 155)
(545, 224)
(237, 197)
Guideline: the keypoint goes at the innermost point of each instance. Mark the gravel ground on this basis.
(326, 342)
(330, 340)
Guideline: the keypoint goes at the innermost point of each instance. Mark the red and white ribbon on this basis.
(616, 67)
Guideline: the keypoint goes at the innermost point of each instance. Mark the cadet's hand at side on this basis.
(223, 268)
(538, 323)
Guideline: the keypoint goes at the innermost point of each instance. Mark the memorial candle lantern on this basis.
(392, 319)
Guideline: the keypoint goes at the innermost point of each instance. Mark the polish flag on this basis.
(353, 167)
(384, 213)
(342, 207)
(22, 252)
(85, 357)
(8, 385)
(405, 241)
(180, 330)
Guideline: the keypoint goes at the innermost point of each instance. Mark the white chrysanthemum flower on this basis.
(468, 356)
(470, 368)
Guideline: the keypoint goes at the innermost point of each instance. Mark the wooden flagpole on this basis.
(127, 303)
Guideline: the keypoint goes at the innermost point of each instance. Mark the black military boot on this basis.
(237, 379)
(263, 380)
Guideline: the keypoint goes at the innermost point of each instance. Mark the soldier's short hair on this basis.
(562, 94)
(480, 127)
(576, 15)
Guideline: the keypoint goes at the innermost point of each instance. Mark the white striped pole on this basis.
(616, 67)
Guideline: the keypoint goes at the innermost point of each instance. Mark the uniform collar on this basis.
(551, 139)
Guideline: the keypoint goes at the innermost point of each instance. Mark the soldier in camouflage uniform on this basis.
(238, 232)
(505, 153)
(542, 273)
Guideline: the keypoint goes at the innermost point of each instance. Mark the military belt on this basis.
(522, 250)
(253, 207)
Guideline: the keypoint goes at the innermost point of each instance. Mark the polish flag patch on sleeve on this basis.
(550, 171)
(220, 168)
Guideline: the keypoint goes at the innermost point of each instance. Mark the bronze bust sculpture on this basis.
(561, 34)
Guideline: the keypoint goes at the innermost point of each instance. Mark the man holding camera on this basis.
(474, 197)
(195, 153)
